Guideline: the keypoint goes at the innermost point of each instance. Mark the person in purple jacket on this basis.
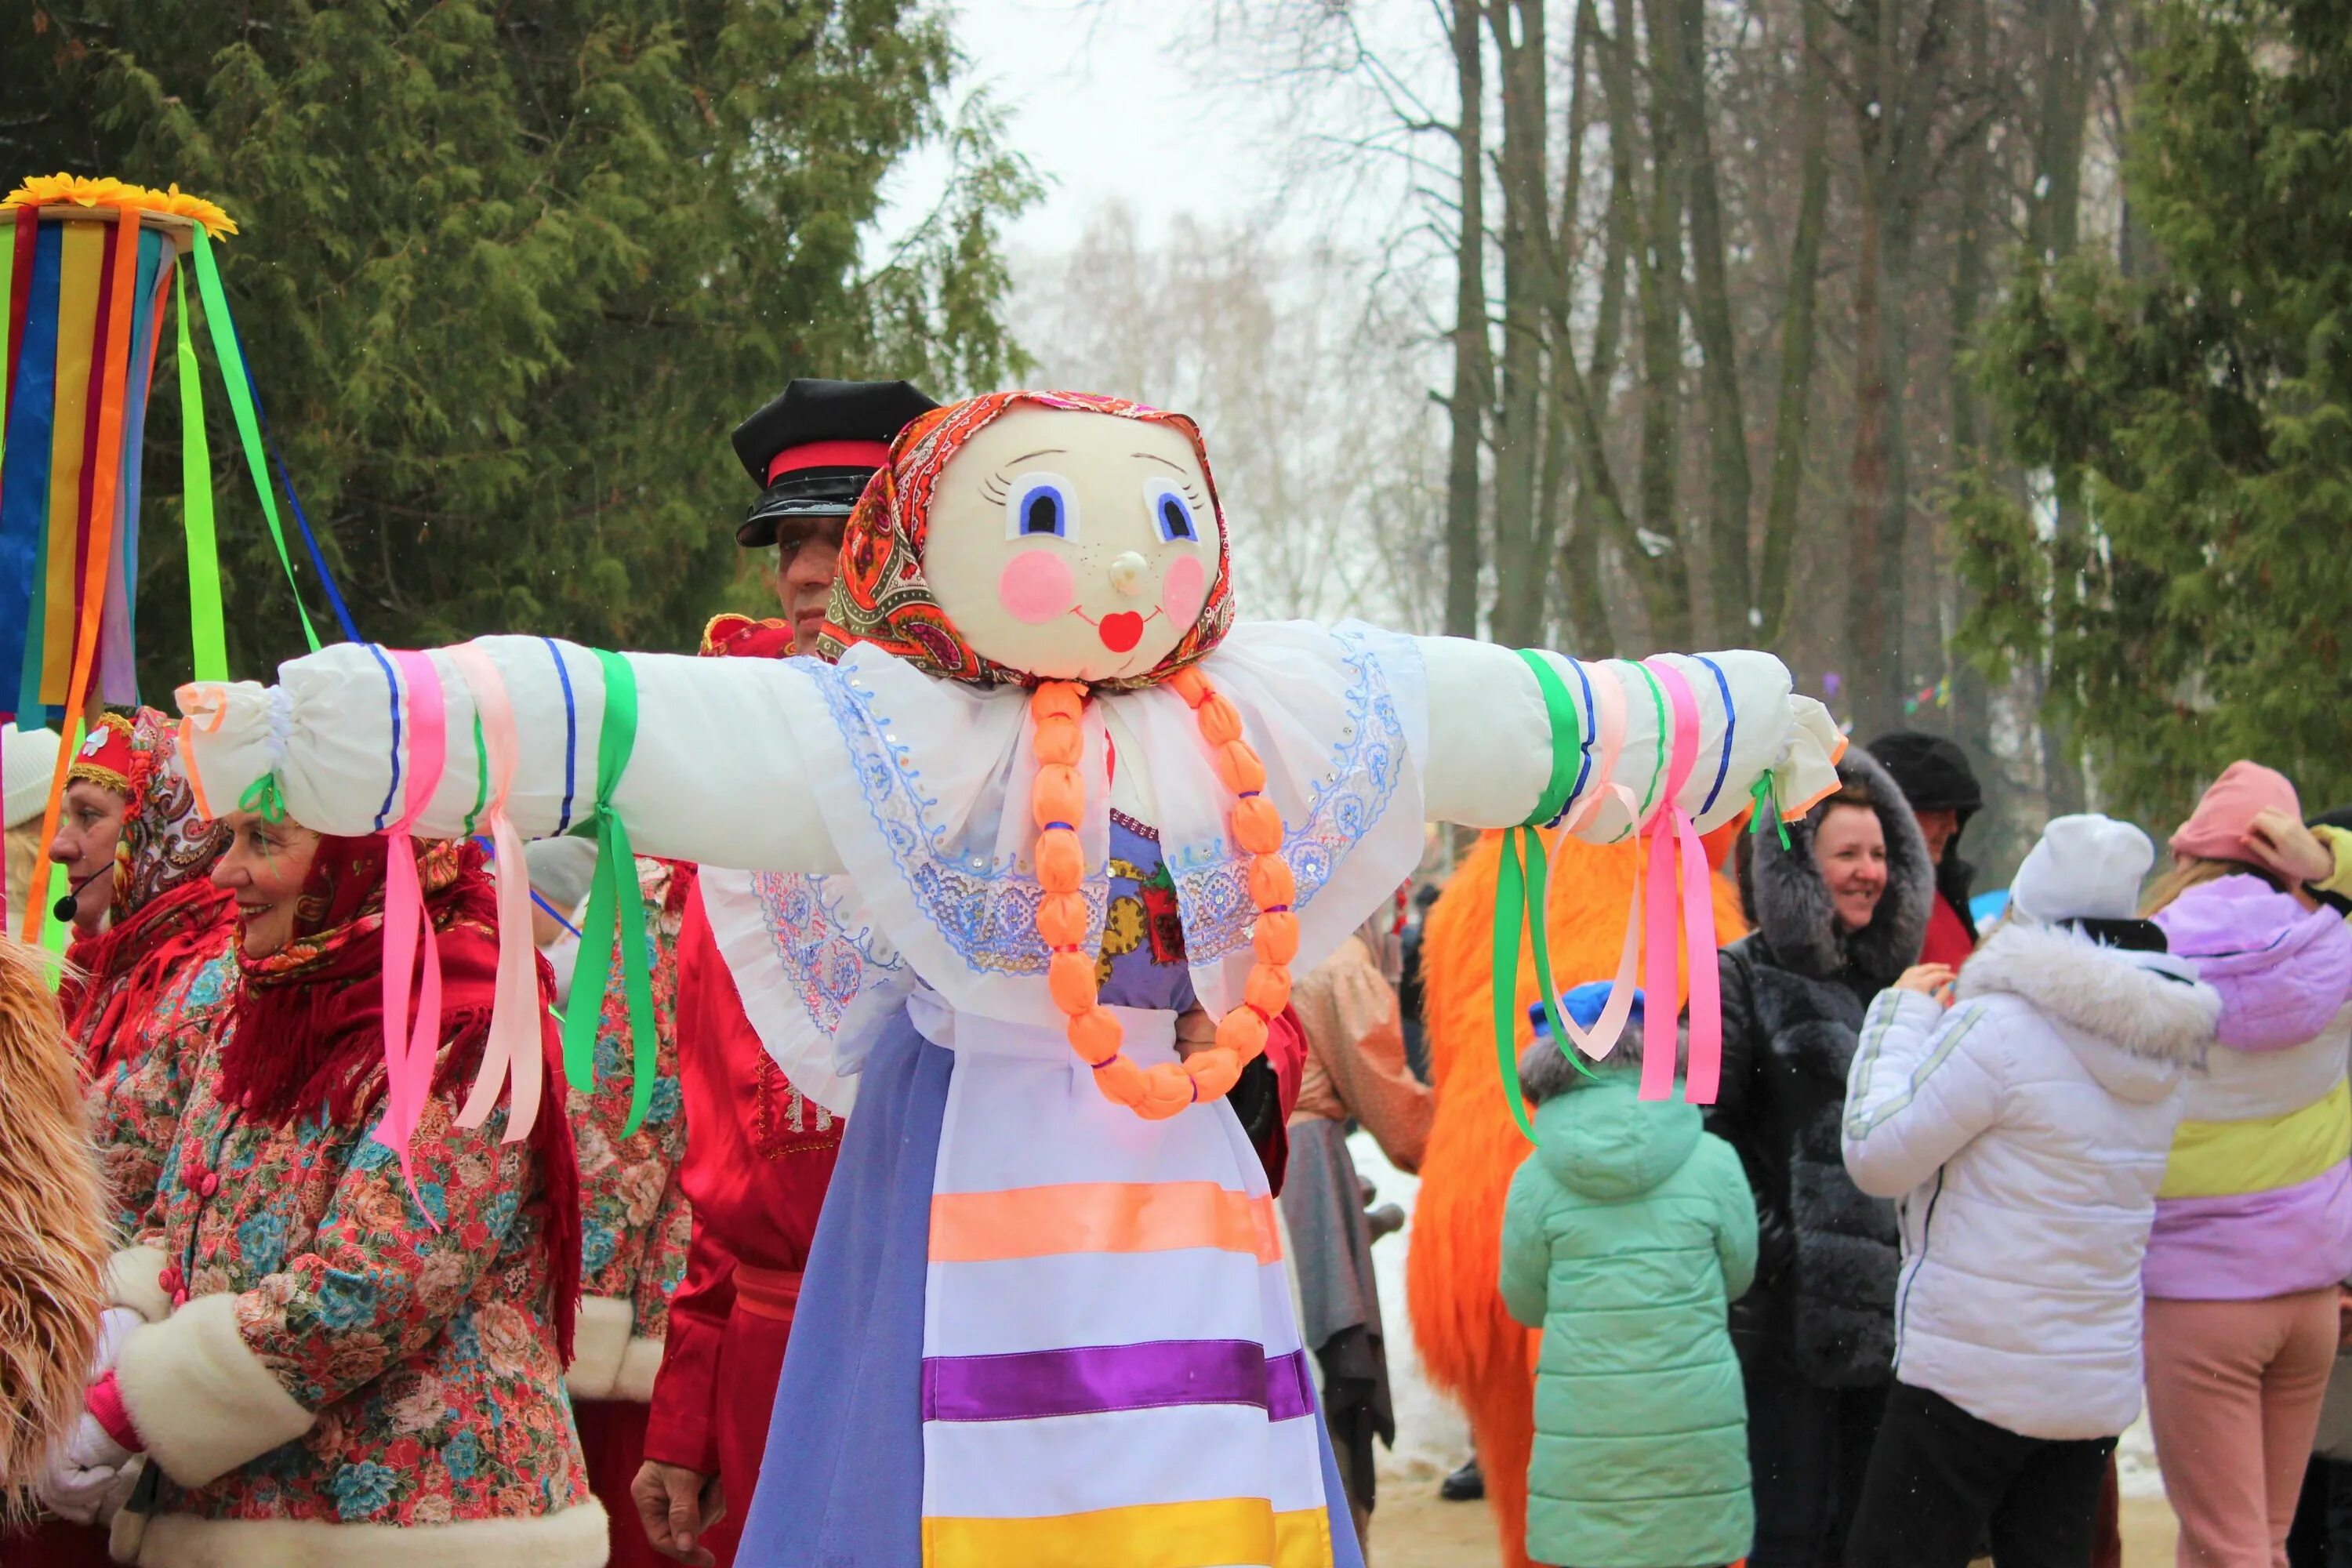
(2253, 1221)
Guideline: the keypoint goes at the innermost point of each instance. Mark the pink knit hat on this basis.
(2217, 829)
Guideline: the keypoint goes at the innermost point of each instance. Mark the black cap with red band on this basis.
(813, 449)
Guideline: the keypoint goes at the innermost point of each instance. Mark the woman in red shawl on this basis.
(352, 1350)
(162, 960)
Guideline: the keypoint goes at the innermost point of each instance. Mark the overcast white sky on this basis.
(1106, 106)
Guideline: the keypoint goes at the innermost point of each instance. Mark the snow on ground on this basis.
(1432, 1437)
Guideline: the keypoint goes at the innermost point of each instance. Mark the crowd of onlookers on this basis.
(1967, 1199)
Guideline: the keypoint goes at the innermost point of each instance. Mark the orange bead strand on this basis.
(1057, 803)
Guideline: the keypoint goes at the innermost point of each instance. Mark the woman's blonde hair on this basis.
(2194, 871)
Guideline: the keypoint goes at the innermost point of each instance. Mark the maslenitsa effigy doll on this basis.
(1048, 795)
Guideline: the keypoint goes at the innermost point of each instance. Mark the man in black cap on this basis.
(758, 1156)
(1935, 777)
(811, 450)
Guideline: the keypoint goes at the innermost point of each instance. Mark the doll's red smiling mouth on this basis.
(1119, 630)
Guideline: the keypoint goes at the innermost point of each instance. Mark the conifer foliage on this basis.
(510, 269)
(2208, 406)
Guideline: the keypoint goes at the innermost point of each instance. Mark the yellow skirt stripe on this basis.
(1154, 1535)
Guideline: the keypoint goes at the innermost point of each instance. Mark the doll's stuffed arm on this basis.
(1490, 748)
(715, 776)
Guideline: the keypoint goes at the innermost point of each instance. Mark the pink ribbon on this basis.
(1670, 829)
(409, 1052)
(513, 1054)
(1609, 718)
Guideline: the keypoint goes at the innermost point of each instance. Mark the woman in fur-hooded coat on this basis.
(1816, 1335)
(1469, 1345)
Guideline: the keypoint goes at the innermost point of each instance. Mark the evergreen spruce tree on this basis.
(2210, 407)
(510, 269)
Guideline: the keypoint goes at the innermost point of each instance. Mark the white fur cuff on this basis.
(203, 1402)
(600, 1342)
(571, 1538)
(134, 1279)
(640, 1364)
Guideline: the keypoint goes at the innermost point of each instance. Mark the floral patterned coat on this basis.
(326, 1377)
(634, 1222)
(134, 1105)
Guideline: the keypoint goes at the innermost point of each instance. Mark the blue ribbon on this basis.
(571, 737)
(391, 682)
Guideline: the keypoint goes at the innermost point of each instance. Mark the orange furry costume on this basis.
(53, 1240)
(1467, 1341)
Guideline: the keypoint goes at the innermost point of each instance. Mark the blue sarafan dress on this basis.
(985, 1377)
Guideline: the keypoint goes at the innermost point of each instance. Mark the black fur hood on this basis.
(1789, 905)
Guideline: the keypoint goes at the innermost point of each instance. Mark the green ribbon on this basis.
(481, 776)
(264, 799)
(1658, 700)
(1766, 794)
(240, 402)
(1522, 894)
(208, 637)
(616, 913)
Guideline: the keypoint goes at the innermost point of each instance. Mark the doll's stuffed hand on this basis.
(90, 1475)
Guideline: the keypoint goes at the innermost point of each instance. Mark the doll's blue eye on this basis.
(1171, 513)
(1040, 506)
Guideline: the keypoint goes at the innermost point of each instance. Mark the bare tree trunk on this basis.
(1585, 606)
(1971, 694)
(1664, 577)
(1730, 484)
(1792, 422)
(2054, 225)
(1473, 366)
(1521, 535)
(1898, 74)
(1585, 397)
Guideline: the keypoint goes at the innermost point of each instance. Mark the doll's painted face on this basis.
(1072, 545)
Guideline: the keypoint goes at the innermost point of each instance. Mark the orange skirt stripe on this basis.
(1101, 1217)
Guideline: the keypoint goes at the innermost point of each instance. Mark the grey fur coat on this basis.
(1794, 992)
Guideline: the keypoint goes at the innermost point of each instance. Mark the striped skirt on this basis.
(1038, 1330)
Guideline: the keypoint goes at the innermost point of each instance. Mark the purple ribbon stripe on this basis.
(1096, 1378)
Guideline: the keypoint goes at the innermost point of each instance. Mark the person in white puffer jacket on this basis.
(2024, 1133)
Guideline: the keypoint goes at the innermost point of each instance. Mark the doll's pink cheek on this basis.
(1036, 586)
(1185, 592)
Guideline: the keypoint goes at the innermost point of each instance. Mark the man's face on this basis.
(1939, 828)
(804, 573)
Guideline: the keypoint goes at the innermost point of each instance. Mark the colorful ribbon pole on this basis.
(616, 912)
(513, 1054)
(207, 638)
(248, 427)
(410, 1052)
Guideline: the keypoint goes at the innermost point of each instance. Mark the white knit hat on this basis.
(2086, 868)
(29, 759)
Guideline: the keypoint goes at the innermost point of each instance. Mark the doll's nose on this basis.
(1127, 574)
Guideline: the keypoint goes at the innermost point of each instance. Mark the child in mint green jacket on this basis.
(1628, 1233)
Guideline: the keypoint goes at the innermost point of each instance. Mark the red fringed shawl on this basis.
(307, 1029)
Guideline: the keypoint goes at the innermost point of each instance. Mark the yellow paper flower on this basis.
(58, 190)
